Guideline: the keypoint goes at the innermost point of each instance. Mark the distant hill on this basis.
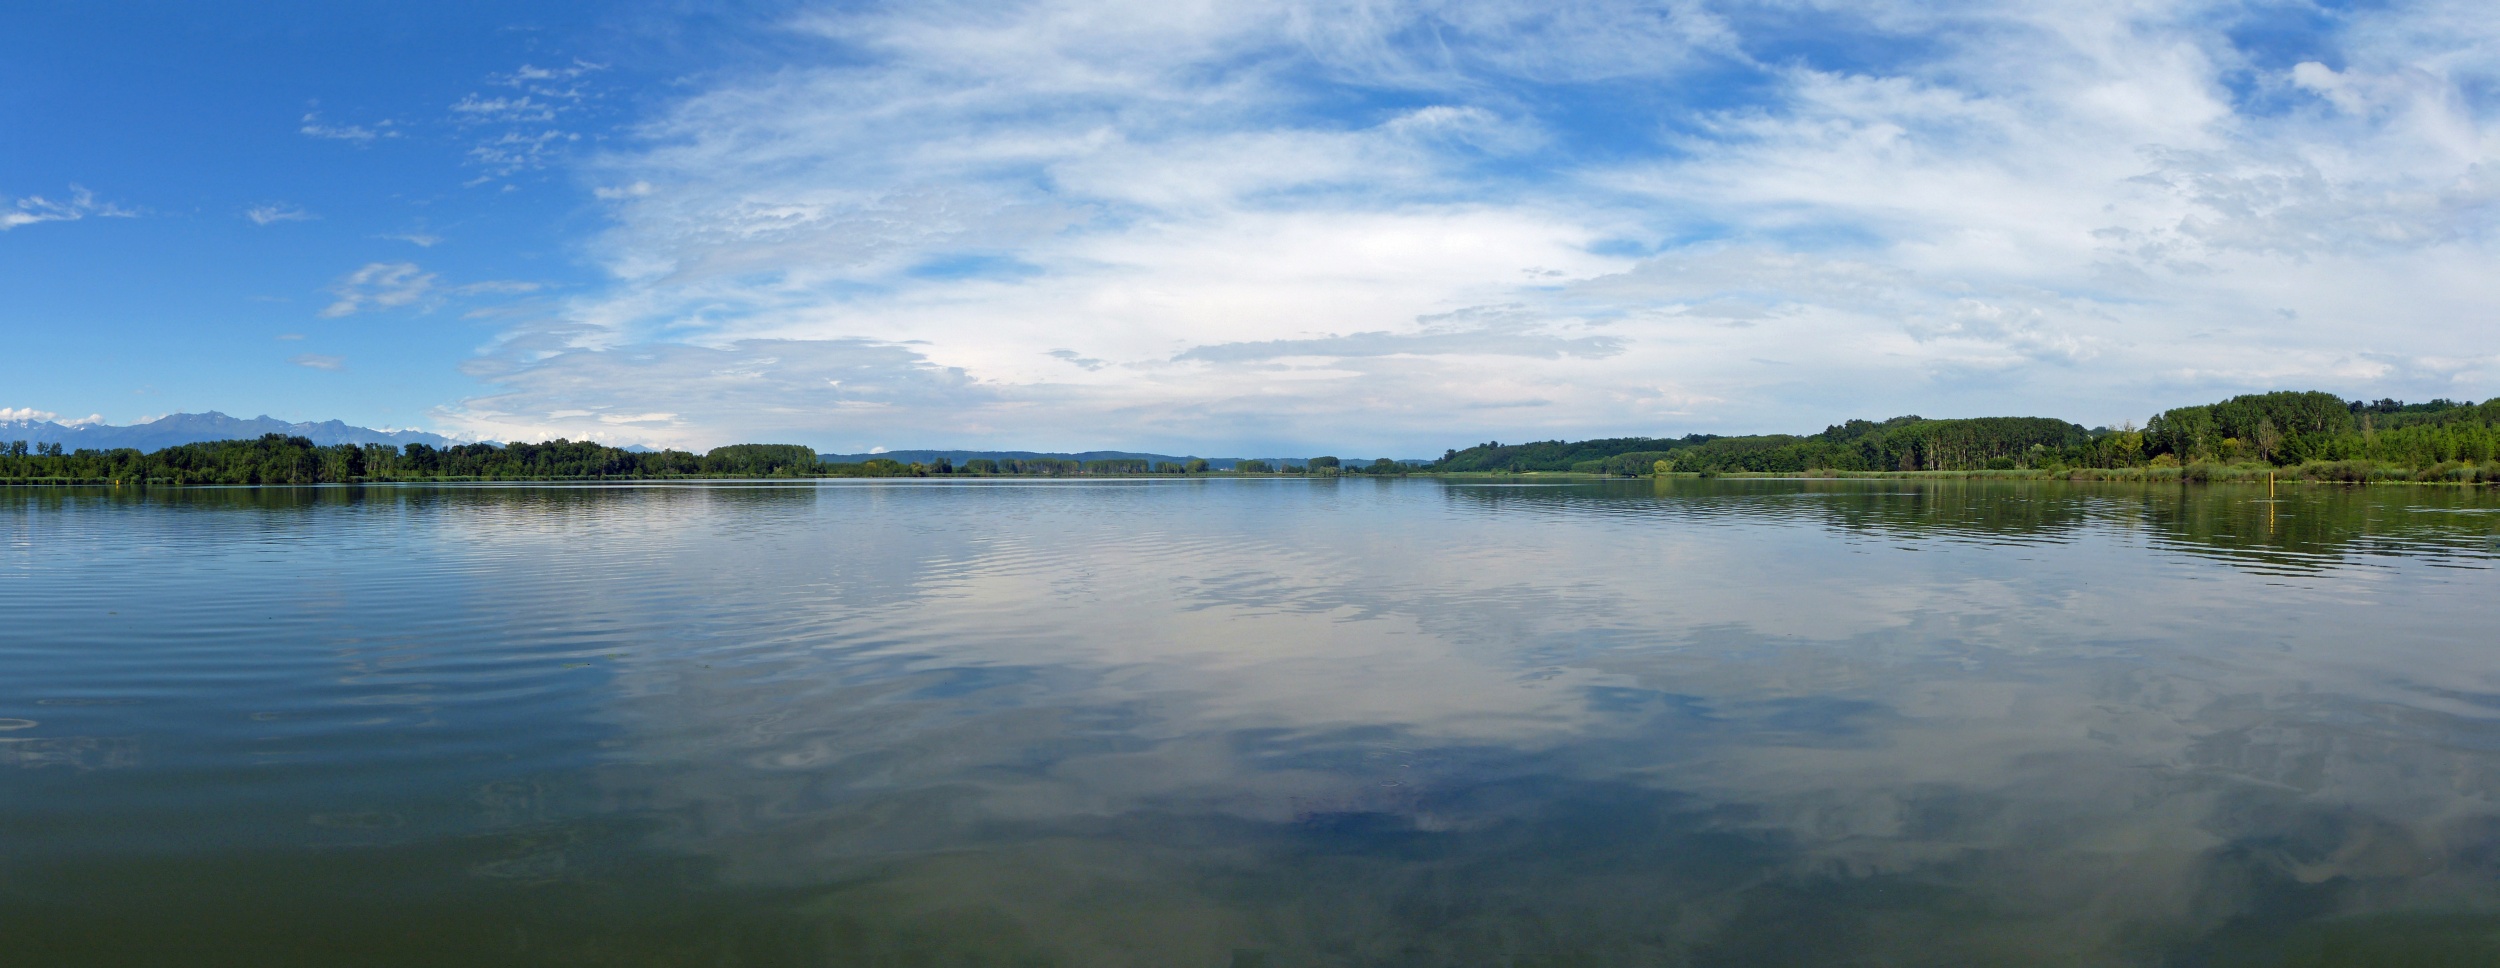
(958, 457)
(187, 428)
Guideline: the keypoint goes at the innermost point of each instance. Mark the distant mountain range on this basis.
(957, 457)
(186, 428)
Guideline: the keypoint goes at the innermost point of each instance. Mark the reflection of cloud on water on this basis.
(1381, 722)
(1111, 728)
(74, 752)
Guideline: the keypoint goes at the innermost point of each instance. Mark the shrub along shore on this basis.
(2284, 437)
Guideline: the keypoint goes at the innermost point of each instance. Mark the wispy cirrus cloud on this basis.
(275, 212)
(393, 285)
(319, 361)
(521, 118)
(79, 204)
(562, 83)
(1137, 223)
(312, 126)
(502, 110)
(379, 285)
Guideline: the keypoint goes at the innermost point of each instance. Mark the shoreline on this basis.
(2456, 477)
(2193, 474)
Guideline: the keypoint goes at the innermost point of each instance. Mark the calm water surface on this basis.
(1235, 723)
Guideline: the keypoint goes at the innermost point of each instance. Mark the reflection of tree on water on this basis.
(2292, 528)
(526, 494)
(279, 511)
(2311, 528)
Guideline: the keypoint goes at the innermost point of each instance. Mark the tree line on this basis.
(1901, 443)
(278, 459)
(2322, 433)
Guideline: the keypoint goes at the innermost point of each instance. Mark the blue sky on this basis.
(1362, 227)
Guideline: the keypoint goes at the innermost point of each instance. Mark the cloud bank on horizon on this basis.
(1393, 227)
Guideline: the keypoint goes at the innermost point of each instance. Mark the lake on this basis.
(1250, 722)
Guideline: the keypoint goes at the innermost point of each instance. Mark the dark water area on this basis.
(1251, 723)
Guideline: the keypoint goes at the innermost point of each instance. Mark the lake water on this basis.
(1250, 722)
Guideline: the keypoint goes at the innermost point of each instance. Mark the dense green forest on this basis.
(276, 459)
(1902, 443)
(2316, 435)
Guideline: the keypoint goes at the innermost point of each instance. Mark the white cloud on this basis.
(313, 127)
(81, 203)
(393, 285)
(517, 151)
(505, 110)
(559, 83)
(379, 285)
(780, 385)
(2325, 82)
(1142, 224)
(524, 122)
(31, 415)
(421, 240)
(275, 212)
(1479, 331)
(319, 361)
